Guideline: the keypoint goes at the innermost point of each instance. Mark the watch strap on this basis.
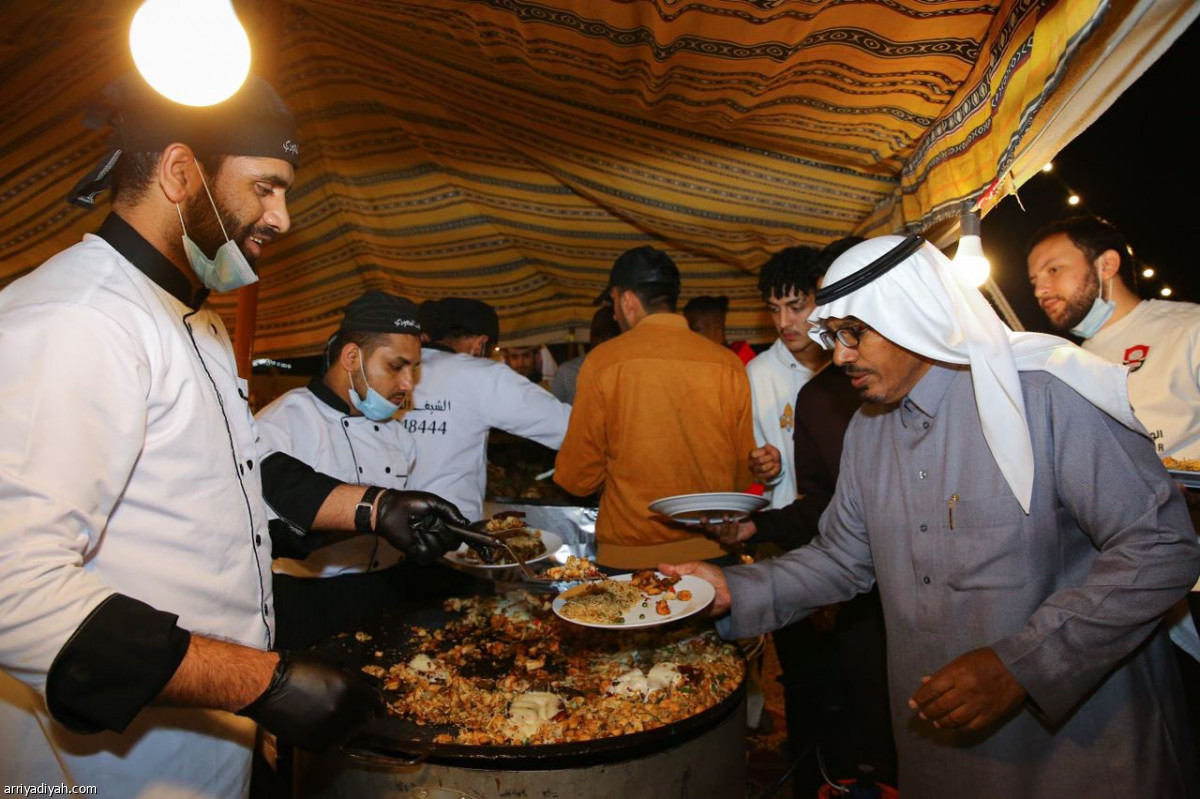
(362, 511)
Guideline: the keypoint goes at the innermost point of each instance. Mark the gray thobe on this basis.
(1070, 596)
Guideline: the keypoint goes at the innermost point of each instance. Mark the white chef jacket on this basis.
(1160, 343)
(127, 464)
(457, 399)
(314, 425)
(776, 377)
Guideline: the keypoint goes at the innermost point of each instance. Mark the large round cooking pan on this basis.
(391, 740)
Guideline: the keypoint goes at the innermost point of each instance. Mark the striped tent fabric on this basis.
(510, 150)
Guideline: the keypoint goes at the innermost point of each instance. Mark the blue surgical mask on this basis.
(374, 407)
(229, 270)
(1100, 312)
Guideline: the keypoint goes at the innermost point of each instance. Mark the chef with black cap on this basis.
(341, 424)
(462, 394)
(136, 625)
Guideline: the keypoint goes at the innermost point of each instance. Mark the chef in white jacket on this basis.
(461, 394)
(135, 604)
(341, 424)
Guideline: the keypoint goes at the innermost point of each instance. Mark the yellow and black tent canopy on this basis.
(509, 150)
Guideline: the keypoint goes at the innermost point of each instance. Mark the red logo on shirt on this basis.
(1136, 355)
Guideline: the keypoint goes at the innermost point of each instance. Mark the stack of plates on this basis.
(693, 508)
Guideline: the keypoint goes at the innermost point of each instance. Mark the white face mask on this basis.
(229, 269)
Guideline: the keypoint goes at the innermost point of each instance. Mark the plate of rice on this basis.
(625, 601)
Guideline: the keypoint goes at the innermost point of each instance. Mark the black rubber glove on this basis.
(414, 523)
(313, 704)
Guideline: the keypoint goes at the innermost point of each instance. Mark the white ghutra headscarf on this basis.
(919, 304)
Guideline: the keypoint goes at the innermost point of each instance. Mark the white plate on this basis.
(459, 556)
(688, 508)
(1185, 478)
(702, 596)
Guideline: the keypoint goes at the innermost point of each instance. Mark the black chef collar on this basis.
(327, 395)
(152, 263)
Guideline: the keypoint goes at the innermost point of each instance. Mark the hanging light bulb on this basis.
(1166, 291)
(1049, 165)
(1148, 272)
(1073, 199)
(194, 52)
(971, 264)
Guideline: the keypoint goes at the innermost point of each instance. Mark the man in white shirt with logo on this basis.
(461, 394)
(788, 283)
(1082, 271)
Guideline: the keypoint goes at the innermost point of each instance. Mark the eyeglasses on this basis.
(850, 336)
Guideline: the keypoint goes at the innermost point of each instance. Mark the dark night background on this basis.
(1135, 168)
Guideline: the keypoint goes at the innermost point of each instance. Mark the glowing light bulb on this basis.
(1073, 199)
(194, 52)
(972, 266)
(1049, 165)
(1166, 291)
(1148, 272)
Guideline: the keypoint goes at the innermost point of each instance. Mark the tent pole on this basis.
(993, 292)
(265, 35)
(244, 327)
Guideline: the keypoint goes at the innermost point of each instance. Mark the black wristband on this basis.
(362, 511)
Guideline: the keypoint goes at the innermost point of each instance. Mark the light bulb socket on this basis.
(969, 224)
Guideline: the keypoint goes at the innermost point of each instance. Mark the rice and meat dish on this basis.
(1182, 464)
(512, 520)
(509, 672)
(526, 545)
(525, 542)
(652, 583)
(610, 601)
(575, 569)
(604, 602)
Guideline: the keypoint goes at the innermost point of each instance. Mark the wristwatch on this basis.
(362, 511)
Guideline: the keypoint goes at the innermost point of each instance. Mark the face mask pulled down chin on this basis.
(375, 407)
(1100, 312)
(229, 270)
